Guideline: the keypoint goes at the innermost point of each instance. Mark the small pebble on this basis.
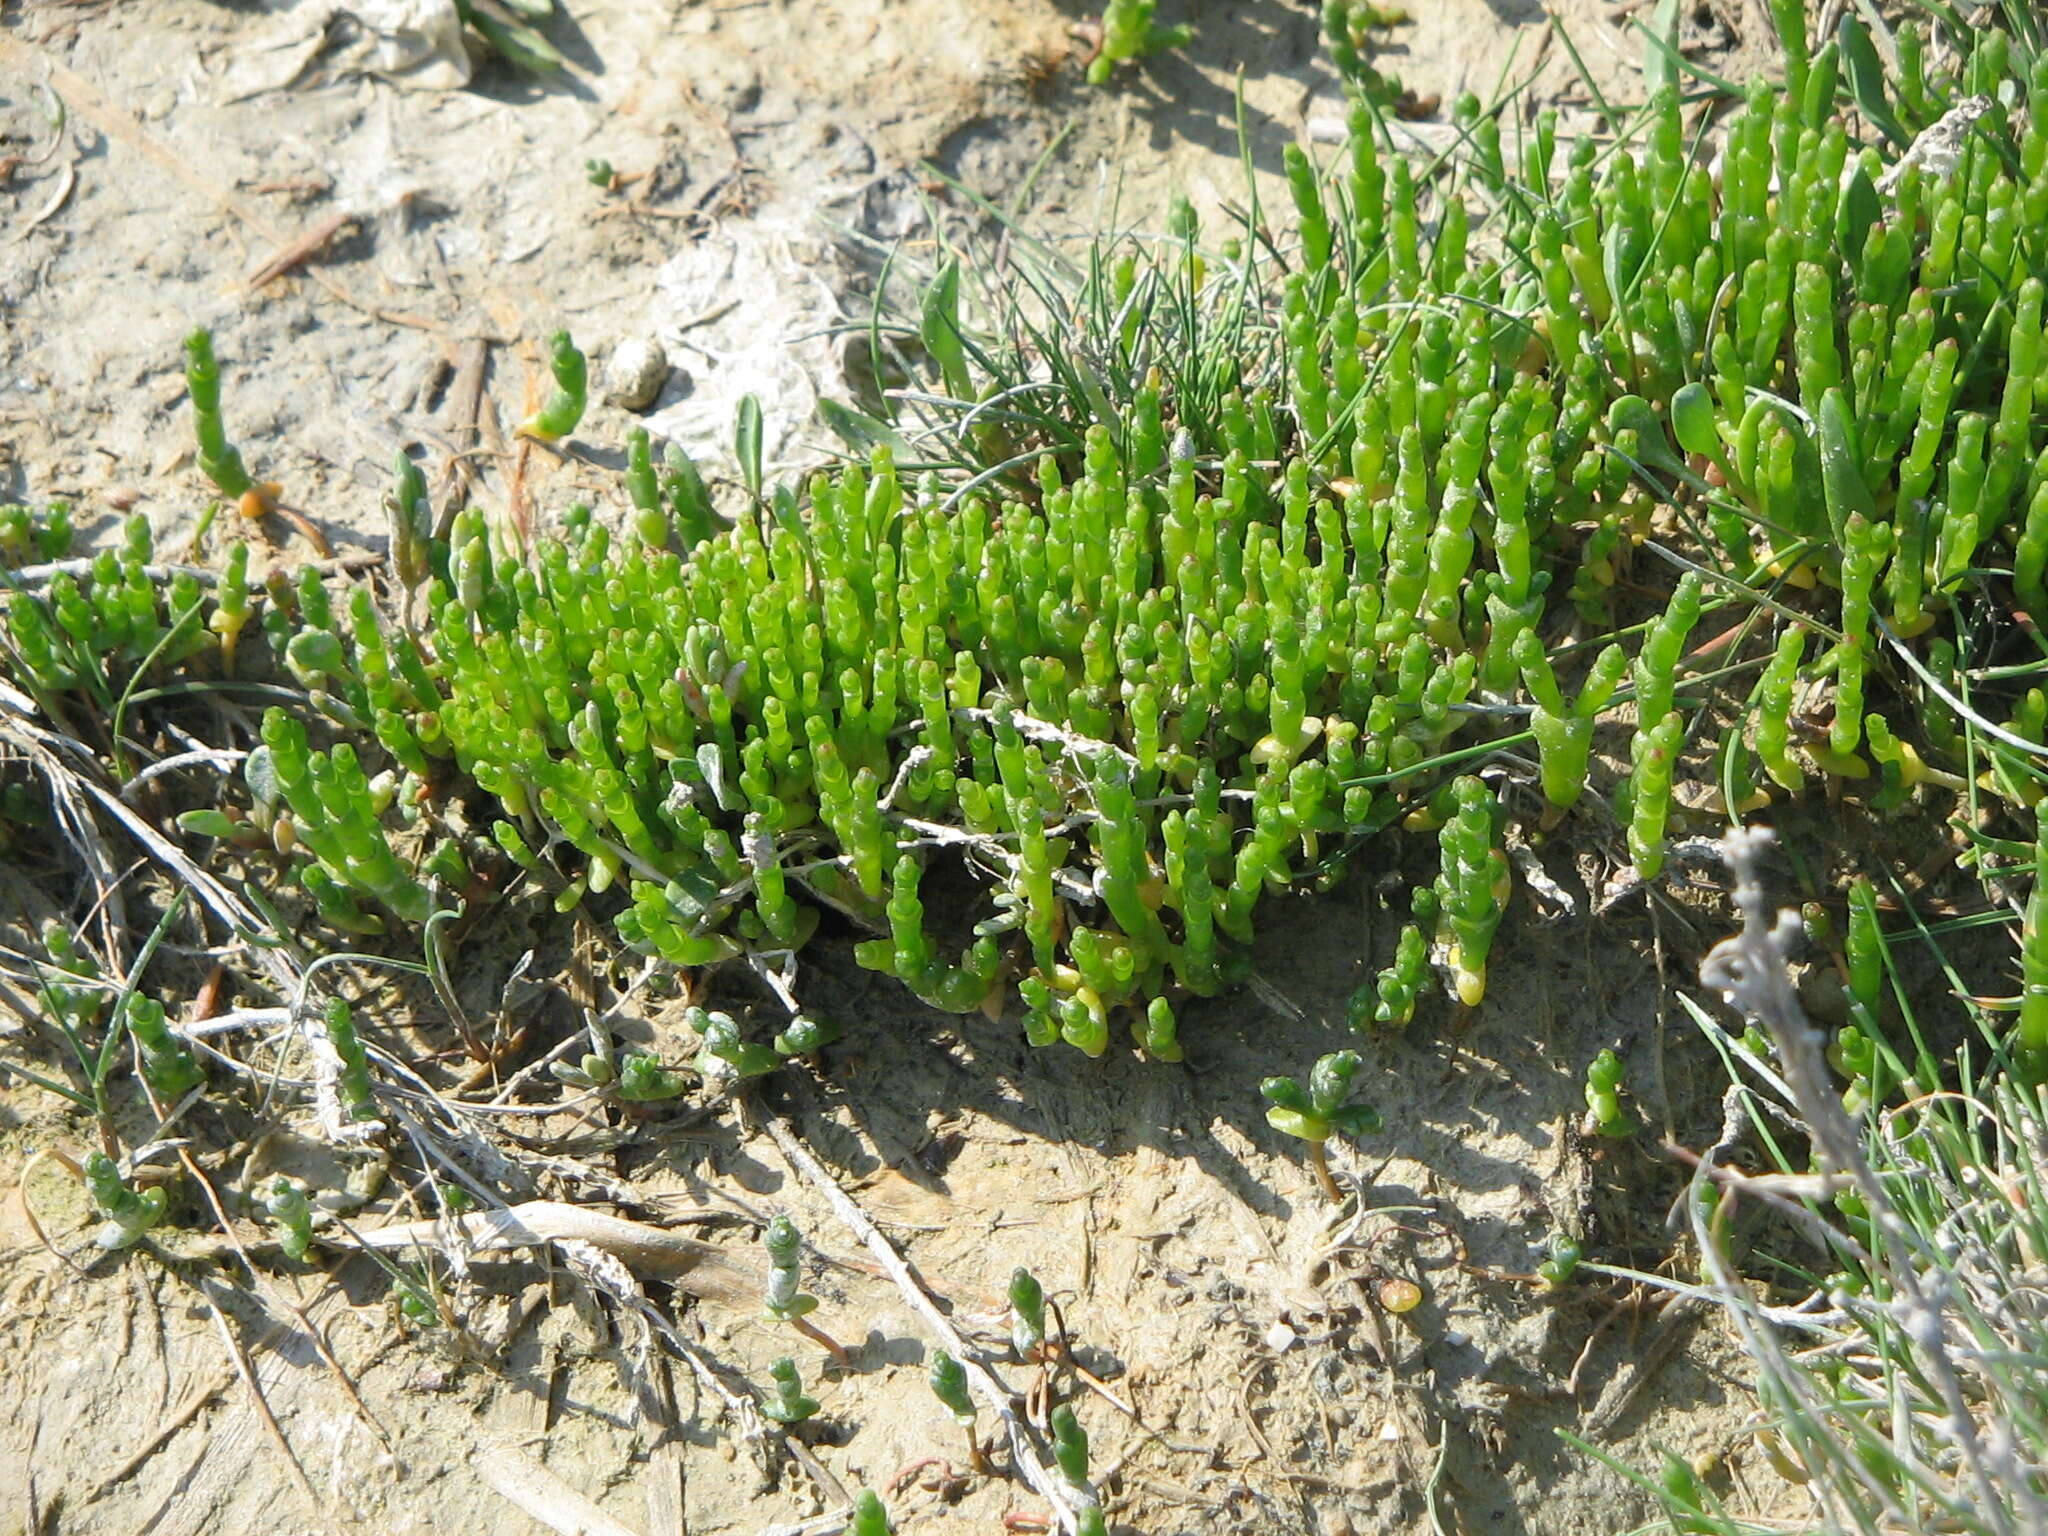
(1280, 1338)
(634, 374)
(1398, 1295)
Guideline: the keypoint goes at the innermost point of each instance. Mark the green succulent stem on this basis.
(867, 1516)
(1129, 32)
(129, 1213)
(219, 460)
(563, 409)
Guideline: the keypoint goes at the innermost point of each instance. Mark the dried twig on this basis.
(703, 1269)
(817, 1525)
(541, 1496)
(1024, 1445)
(35, 577)
(67, 178)
(303, 249)
(28, 1209)
(461, 419)
(608, 1275)
(85, 99)
(1674, 1322)
(247, 1372)
(1939, 148)
(156, 1442)
(299, 1314)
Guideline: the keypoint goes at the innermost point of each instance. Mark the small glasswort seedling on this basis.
(1027, 1316)
(790, 1406)
(353, 1084)
(1473, 889)
(1565, 1252)
(725, 1057)
(167, 1064)
(1604, 1114)
(291, 1217)
(130, 1213)
(416, 1303)
(806, 1035)
(787, 1301)
(2030, 1035)
(642, 1078)
(868, 1517)
(1318, 1112)
(949, 1385)
(1389, 1002)
(1070, 1447)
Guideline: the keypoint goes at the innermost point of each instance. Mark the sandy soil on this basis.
(1246, 1375)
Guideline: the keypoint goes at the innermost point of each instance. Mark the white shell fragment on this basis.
(415, 44)
(634, 373)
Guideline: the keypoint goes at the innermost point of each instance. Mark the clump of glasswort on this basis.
(1129, 32)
